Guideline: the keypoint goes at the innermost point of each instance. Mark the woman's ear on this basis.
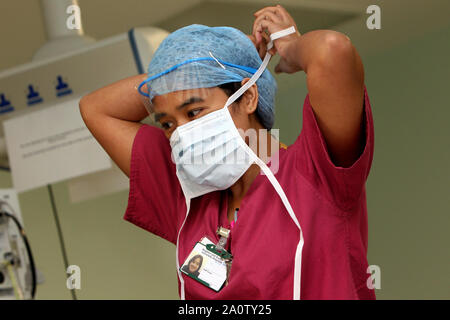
(249, 100)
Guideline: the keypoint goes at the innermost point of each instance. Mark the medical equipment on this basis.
(18, 278)
(67, 67)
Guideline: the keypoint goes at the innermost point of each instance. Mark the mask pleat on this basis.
(220, 164)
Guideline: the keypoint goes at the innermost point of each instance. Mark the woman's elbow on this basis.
(335, 49)
(87, 107)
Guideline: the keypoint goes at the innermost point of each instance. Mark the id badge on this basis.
(207, 265)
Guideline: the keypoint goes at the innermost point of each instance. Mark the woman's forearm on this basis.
(119, 100)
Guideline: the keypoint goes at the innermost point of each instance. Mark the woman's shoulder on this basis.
(151, 143)
(148, 130)
(283, 160)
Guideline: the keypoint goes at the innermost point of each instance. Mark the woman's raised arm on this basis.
(113, 114)
(335, 79)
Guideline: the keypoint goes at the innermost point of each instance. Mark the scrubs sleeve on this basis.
(155, 200)
(343, 187)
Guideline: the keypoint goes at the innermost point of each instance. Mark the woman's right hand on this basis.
(270, 20)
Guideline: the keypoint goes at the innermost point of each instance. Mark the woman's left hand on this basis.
(270, 20)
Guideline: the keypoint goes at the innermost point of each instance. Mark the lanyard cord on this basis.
(235, 218)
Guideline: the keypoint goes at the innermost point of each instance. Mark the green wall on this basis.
(409, 184)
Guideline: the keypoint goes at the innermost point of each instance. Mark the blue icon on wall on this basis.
(5, 105)
(62, 88)
(33, 96)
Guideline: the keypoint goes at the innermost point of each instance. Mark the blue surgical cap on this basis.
(198, 56)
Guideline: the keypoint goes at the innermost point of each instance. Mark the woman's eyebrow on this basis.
(158, 116)
(189, 101)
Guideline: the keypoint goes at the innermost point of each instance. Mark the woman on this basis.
(321, 175)
(194, 265)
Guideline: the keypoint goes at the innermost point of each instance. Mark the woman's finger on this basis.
(257, 30)
(282, 12)
(265, 38)
(262, 52)
(273, 9)
(267, 25)
(256, 34)
(278, 11)
(263, 46)
(255, 27)
(269, 13)
(271, 16)
(272, 51)
(259, 45)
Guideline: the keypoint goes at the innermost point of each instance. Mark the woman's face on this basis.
(178, 108)
(194, 265)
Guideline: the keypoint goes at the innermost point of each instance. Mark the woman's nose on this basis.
(182, 121)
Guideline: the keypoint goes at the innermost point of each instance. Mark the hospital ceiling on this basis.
(22, 31)
(220, 13)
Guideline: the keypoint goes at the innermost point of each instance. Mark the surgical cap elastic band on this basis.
(248, 69)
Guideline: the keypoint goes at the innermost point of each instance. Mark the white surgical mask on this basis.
(208, 154)
(211, 155)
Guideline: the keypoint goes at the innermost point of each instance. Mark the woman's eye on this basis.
(193, 113)
(166, 125)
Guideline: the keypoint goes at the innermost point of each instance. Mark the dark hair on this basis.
(230, 88)
(195, 257)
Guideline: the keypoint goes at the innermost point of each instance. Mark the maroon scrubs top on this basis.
(329, 202)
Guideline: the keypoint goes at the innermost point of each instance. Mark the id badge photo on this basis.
(208, 265)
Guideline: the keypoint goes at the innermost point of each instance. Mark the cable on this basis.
(27, 245)
(17, 290)
(60, 236)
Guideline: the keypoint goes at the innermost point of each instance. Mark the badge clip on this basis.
(224, 233)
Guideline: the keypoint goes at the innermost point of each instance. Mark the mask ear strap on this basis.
(262, 67)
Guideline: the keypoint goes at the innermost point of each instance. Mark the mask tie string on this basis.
(274, 36)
